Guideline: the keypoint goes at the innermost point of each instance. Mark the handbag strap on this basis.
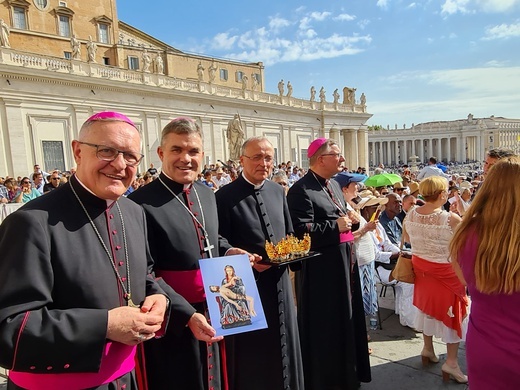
(401, 247)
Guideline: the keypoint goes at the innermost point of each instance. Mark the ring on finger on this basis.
(141, 337)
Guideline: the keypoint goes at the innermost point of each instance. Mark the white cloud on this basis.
(320, 16)
(412, 5)
(470, 6)
(453, 6)
(278, 24)
(497, 5)
(344, 17)
(451, 94)
(363, 23)
(496, 64)
(382, 3)
(223, 41)
(502, 31)
(283, 40)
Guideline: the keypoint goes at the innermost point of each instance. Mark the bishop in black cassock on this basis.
(58, 279)
(250, 214)
(183, 228)
(330, 308)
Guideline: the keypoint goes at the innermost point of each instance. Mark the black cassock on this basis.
(179, 361)
(330, 307)
(268, 358)
(57, 283)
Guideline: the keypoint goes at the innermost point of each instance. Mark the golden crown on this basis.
(288, 248)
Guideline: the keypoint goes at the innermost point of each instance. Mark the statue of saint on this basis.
(200, 71)
(4, 35)
(212, 70)
(280, 87)
(322, 95)
(289, 89)
(363, 99)
(349, 95)
(336, 96)
(244, 82)
(147, 61)
(91, 49)
(235, 136)
(313, 94)
(159, 64)
(76, 47)
(254, 82)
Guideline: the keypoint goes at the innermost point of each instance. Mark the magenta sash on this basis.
(118, 360)
(346, 237)
(187, 283)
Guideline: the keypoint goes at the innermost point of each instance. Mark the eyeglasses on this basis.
(337, 155)
(260, 157)
(26, 182)
(106, 153)
(55, 178)
(398, 189)
(282, 183)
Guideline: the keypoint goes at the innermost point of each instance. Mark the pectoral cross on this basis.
(208, 246)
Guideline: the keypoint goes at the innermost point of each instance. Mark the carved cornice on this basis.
(19, 3)
(64, 11)
(103, 19)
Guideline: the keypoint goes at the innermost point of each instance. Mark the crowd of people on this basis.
(106, 274)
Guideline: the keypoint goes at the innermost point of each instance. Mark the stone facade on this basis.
(463, 140)
(45, 95)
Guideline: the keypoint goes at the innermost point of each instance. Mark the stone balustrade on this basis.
(13, 57)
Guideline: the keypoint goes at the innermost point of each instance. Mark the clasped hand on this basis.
(344, 224)
(132, 325)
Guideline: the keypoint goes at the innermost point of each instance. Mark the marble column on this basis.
(350, 148)
(362, 141)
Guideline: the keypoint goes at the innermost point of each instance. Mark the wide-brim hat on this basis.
(371, 200)
(465, 184)
(413, 186)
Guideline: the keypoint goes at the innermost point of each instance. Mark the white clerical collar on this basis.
(184, 187)
(256, 186)
(109, 201)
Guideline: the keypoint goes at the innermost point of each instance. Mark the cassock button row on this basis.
(121, 263)
(210, 354)
(118, 247)
(211, 377)
(32, 368)
(195, 213)
(114, 232)
(111, 216)
(66, 366)
(49, 368)
(210, 366)
(123, 387)
(191, 203)
(123, 278)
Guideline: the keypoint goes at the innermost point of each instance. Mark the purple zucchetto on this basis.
(315, 145)
(111, 115)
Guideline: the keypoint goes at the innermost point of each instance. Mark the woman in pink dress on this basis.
(486, 247)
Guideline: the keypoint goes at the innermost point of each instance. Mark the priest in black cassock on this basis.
(183, 228)
(76, 267)
(253, 209)
(331, 318)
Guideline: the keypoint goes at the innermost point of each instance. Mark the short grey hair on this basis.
(181, 125)
(259, 138)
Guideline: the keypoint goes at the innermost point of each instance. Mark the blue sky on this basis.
(416, 61)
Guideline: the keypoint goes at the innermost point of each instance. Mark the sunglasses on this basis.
(26, 182)
(55, 178)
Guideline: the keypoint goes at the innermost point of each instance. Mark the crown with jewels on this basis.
(288, 248)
